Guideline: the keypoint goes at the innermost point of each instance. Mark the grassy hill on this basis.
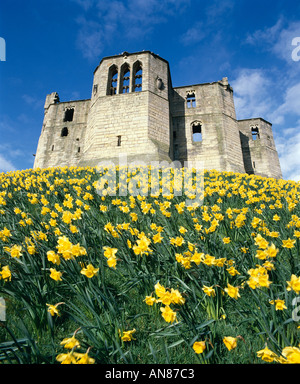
(94, 271)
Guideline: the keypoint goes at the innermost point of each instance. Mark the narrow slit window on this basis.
(69, 114)
(52, 149)
(255, 133)
(78, 150)
(64, 132)
(197, 133)
(119, 141)
(138, 78)
(191, 100)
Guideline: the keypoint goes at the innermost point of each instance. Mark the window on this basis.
(64, 132)
(191, 100)
(112, 80)
(138, 77)
(52, 149)
(125, 79)
(69, 113)
(255, 133)
(95, 89)
(197, 132)
(78, 150)
(119, 141)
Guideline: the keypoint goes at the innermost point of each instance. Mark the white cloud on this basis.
(267, 36)
(252, 97)
(194, 34)
(6, 165)
(90, 38)
(292, 101)
(278, 40)
(283, 46)
(85, 4)
(289, 154)
(34, 102)
(105, 21)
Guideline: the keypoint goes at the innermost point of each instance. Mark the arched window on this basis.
(137, 77)
(64, 132)
(197, 132)
(125, 79)
(255, 132)
(112, 80)
(69, 113)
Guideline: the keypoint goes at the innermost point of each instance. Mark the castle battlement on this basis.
(134, 109)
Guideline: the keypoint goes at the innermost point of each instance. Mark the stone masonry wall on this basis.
(53, 148)
(259, 150)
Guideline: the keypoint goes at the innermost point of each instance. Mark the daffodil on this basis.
(291, 354)
(226, 240)
(52, 309)
(267, 355)
(83, 358)
(168, 314)
(89, 271)
(232, 291)
(5, 273)
(279, 304)
(289, 243)
(209, 291)
(199, 346)
(66, 358)
(55, 275)
(230, 342)
(70, 342)
(294, 284)
(110, 252)
(53, 257)
(150, 300)
(127, 335)
(112, 262)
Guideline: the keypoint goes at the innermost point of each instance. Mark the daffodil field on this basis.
(115, 278)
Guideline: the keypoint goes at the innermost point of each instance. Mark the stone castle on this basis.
(135, 110)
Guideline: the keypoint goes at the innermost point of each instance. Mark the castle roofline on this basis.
(73, 101)
(256, 118)
(131, 54)
(223, 82)
(195, 85)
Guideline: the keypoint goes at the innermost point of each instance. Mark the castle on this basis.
(135, 110)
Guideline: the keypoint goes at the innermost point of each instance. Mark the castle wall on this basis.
(259, 150)
(55, 149)
(135, 112)
(213, 110)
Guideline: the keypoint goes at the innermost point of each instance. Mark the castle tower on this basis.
(205, 127)
(259, 150)
(129, 112)
(62, 138)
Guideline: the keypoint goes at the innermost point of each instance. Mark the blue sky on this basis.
(56, 45)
